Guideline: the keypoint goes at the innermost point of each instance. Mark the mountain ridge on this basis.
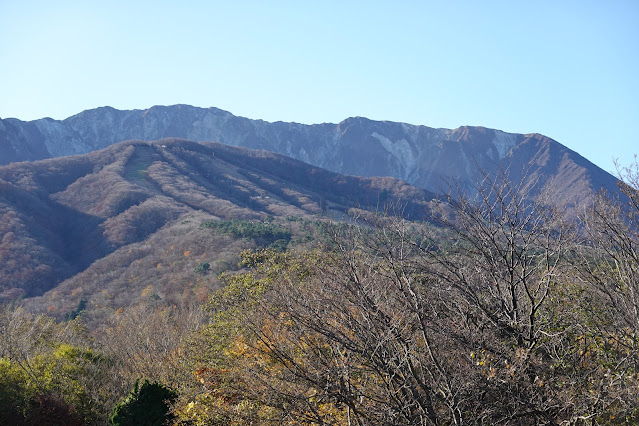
(418, 154)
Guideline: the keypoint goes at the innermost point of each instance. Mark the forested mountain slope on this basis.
(61, 216)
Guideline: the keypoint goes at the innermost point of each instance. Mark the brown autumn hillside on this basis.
(88, 218)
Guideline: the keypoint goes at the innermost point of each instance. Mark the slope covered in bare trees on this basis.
(112, 221)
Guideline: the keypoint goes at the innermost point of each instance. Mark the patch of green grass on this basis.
(137, 171)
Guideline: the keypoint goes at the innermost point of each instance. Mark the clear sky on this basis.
(566, 69)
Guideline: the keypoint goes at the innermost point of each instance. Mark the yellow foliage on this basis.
(148, 291)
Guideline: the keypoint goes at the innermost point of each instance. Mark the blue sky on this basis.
(566, 69)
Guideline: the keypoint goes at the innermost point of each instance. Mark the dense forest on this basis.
(503, 312)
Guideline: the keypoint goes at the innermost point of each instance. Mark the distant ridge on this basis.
(420, 155)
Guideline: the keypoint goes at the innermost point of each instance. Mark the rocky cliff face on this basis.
(420, 155)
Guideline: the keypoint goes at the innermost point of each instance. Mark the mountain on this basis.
(420, 155)
(132, 214)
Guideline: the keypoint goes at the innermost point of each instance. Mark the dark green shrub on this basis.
(203, 268)
(146, 405)
(279, 245)
(82, 306)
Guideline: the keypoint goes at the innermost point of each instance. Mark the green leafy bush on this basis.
(25, 401)
(14, 392)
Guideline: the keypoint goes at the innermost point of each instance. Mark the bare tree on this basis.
(611, 258)
(607, 265)
(148, 342)
(501, 266)
(504, 255)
